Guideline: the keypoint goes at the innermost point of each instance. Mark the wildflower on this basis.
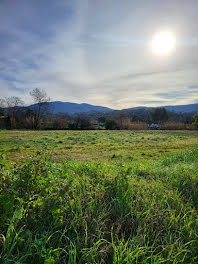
(63, 184)
(54, 194)
(17, 168)
(60, 189)
(4, 184)
(73, 185)
(43, 152)
(64, 195)
(18, 178)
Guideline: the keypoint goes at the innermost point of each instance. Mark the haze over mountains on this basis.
(74, 108)
(191, 108)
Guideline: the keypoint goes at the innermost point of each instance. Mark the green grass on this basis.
(136, 201)
(96, 145)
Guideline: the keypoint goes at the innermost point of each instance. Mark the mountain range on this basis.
(190, 108)
(74, 108)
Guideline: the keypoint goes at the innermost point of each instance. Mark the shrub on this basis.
(110, 124)
(195, 123)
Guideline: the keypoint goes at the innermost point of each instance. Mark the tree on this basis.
(195, 123)
(159, 115)
(12, 108)
(2, 103)
(110, 124)
(29, 118)
(59, 122)
(42, 102)
(80, 122)
(2, 114)
(123, 121)
(101, 119)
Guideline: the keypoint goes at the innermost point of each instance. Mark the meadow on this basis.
(98, 197)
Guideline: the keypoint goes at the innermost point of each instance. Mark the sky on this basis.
(99, 51)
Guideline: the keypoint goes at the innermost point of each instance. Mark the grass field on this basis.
(97, 145)
(99, 197)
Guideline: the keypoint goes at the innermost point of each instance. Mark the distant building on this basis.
(154, 126)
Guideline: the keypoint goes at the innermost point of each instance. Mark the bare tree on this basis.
(2, 103)
(123, 121)
(41, 100)
(12, 105)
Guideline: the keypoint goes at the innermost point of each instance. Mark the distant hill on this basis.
(183, 108)
(74, 108)
(191, 108)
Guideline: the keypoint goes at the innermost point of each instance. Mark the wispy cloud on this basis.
(98, 51)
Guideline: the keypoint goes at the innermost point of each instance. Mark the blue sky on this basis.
(98, 52)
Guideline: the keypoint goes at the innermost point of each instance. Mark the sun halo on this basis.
(163, 43)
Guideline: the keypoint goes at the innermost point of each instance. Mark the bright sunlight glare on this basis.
(163, 43)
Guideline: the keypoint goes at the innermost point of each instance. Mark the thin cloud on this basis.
(97, 54)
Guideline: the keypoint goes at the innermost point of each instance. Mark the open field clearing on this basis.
(116, 197)
(97, 145)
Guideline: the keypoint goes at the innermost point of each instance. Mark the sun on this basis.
(163, 43)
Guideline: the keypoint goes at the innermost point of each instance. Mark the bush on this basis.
(110, 124)
(195, 123)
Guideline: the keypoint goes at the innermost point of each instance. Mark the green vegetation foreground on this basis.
(140, 210)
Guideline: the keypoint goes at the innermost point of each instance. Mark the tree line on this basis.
(15, 115)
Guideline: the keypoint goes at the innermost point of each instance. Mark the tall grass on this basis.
(89, 212)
